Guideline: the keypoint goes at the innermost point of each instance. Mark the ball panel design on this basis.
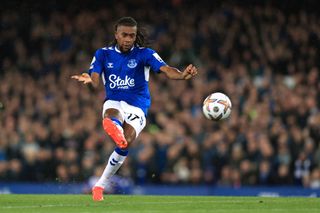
(217, 106)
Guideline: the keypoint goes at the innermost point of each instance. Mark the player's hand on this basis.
(84, 77)
(189, 72)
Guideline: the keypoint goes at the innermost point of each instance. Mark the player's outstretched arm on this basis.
(85, 78)
(173, 73)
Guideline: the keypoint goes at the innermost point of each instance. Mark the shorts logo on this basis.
(132, 63)
(110, 65)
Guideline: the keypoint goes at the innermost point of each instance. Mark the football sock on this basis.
(116, 159)
(117, 123)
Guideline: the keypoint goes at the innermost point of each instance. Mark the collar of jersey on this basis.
(117, 50)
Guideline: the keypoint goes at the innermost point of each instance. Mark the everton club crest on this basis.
(132, 63)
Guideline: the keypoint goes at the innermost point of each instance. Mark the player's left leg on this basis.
(129, 133)
(113, 117)
(116, 159)
(134, 122)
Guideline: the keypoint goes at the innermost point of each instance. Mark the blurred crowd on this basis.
(265, 59)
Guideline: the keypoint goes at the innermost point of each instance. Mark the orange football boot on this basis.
(116, 135)
(97, 193)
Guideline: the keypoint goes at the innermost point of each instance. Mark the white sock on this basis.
(115, 161)
(119, 127)
(118, 123)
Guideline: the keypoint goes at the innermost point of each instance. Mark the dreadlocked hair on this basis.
(141, 39)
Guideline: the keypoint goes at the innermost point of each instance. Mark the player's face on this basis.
(126, 36)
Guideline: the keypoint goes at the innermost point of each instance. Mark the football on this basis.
(217, 106)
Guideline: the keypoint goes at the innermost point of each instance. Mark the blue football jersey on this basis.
(126, 75)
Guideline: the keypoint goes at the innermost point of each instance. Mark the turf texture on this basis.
(139, 203)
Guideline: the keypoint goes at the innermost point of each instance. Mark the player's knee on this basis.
(129, 133)
(130, 138)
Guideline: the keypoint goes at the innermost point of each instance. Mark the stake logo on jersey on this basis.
(119, 83)
(126, 75)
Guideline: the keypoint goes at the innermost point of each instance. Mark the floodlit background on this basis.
(263, 54)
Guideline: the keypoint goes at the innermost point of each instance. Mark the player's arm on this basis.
(174, 73)
(85, 78)
(92, 78)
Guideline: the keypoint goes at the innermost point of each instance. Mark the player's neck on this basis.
(120, 51)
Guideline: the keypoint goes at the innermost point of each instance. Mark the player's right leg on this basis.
(112, 123)
(114, 132)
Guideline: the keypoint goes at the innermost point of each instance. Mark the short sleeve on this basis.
(154, 60)
(96, 63)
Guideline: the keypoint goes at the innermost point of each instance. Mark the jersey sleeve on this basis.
(154, 60)
(96, 63)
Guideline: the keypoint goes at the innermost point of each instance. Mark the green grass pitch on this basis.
(139, 203)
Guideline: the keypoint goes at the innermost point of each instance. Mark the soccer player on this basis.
(124, 68)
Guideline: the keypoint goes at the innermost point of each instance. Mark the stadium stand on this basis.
(265, 56)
